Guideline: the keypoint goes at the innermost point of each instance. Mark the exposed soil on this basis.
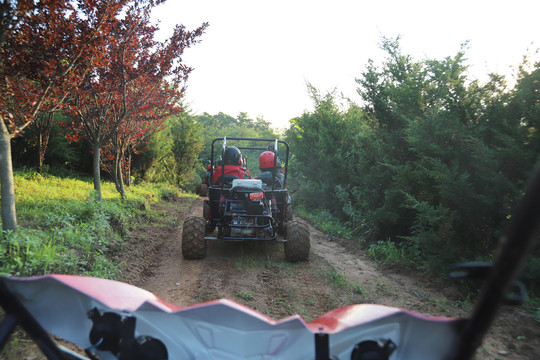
(337, 274)
(256, 274)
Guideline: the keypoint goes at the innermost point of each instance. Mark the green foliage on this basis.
(321, 149)
(247, 296)
(223, 125)
(186, 146)
(433, 162)
(387, 252)
(337, 279)
(531, 272)
(61, 155)
(66, 229)
(173, 154)
(325, 221)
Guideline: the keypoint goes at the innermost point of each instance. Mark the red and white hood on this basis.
(224, 329)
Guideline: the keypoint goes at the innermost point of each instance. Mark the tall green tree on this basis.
(186, 146)
(443, 188)
(525, 107)
(173, 152)
(321, 143)
(432, 161)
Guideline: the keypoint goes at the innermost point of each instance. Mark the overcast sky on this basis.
(257, 56)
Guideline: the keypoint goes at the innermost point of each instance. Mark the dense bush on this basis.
(432, 161)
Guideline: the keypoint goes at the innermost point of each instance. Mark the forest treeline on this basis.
(174, 154)
(432, 163)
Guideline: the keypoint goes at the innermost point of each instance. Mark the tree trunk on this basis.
(96, 164)
(9, 216)
(41, 153)
(118, 176)
(115, 172)
(128, 168)
(44, 134)
(120, 185)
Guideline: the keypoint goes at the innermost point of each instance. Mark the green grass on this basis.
(325, 221)
(247, 296)
(387, 252)
(64, 228)
(337, 279)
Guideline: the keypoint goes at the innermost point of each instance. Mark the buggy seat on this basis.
(246, 184)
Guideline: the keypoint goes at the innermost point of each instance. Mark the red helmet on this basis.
(266, 160)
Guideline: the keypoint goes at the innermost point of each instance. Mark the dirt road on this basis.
(337, 274)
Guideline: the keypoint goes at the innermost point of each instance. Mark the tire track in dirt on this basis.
(166, 273)
(377, 283)
(337, 274)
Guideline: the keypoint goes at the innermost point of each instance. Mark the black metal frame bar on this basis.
(276, 142)
(513, 254)
(16, 314)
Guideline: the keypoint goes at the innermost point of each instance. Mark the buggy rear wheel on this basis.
(203, 191)
(282, 229)
(193, 241)
(297, 246)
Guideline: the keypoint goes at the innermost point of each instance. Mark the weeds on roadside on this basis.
(65, 229)
(387, 252)
(325, 221)
(246, 262)
(247, 296)
(255, 260)
(337, 279)
(532, 304)
(441, 304)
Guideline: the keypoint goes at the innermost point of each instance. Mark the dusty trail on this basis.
(171, 277)
(337, 274)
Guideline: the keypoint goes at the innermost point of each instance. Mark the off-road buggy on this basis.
(247, 209)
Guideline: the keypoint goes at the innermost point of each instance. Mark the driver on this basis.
(232, 158)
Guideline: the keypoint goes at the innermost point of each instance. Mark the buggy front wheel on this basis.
(297, 245)
(193, 241)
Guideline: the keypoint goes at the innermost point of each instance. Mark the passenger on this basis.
(266, 164)
(232, 158)
(279, 164)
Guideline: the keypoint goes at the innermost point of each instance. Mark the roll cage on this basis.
(275, 143)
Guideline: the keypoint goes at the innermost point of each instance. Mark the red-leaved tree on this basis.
(119, 95)
(132, 135)
(46, 49)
